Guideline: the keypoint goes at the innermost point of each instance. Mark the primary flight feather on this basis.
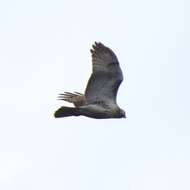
(99, 99)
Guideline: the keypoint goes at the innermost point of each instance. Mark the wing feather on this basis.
(76, 98)
(106, 75)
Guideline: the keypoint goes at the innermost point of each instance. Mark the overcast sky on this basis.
(44, 50)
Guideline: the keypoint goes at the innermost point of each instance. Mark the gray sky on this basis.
(44, 50)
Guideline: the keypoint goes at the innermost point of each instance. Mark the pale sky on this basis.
(44, 50)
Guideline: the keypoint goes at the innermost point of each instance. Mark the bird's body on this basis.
(99, 99)
(96, 111)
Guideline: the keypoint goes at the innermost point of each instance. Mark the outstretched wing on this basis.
(106, 75)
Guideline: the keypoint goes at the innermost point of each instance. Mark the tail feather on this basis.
(66, 112)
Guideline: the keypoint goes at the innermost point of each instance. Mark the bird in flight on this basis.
(99, 99)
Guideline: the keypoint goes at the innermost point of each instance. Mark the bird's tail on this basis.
(66, 112)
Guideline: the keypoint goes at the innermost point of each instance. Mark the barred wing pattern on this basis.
(106, 75)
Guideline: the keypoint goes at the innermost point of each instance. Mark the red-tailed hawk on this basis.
(99, 99)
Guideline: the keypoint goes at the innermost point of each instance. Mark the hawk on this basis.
(99, 99)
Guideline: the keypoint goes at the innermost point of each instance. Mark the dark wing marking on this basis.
(106, 75)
